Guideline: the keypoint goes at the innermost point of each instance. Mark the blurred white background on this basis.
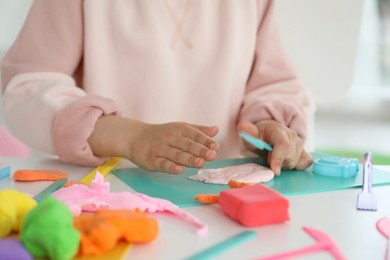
(337, 46)
(339, 50)
(12, 16)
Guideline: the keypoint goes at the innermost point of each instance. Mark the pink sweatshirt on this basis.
(208, 62)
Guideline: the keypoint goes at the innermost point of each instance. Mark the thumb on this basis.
(247, 127)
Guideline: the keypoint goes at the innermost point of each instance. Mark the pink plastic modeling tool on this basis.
(324, 242)
(383, 226)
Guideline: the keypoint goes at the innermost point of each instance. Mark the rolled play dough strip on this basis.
(39, 175)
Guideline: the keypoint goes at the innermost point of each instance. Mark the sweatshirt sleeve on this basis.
(273, 90)
(44, 105)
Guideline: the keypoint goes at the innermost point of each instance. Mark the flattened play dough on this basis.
(246, 173)
(82, 198)
(47, 231)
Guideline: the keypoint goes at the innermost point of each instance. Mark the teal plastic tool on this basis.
(224, 245)
(336, 166)
(256, 142)
(4, 171)
(50, 189)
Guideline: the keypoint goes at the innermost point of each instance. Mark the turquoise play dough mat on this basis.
(181, 191)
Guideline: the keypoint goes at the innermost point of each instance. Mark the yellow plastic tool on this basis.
(103, 169)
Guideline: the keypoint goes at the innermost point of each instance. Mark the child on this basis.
(166, 84)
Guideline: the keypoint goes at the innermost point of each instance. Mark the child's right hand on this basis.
(161, 147)
(288, 148)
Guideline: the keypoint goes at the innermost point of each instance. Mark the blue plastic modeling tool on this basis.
(256, 142)
(336, 166)
(50, 189)
(4, 171)
(225, 245)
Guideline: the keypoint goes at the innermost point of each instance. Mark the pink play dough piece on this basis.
(81, 198)
(254, 205)
(247, 173)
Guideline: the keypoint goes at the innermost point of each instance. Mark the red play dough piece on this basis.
(254, 205)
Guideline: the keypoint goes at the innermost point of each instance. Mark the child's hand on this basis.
(173, 146)
(163, 147)
(288, 148)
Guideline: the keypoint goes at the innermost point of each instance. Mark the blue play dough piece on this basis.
(12, 249)
(336, 166)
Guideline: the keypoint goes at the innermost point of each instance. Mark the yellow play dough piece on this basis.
(14, 206)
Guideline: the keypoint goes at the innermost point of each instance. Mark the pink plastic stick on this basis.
(293, 253)
(324, 242)
(383, 226)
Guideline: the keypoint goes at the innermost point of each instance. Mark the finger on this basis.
(281, 145)
(294, 153)
(196, 149)
(247, 127)
(181, 157)
(297, 148)
(277, 156)
(305, 161)
(168, 166)
(201, 138)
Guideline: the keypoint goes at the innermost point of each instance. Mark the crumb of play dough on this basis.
(245, 173)
(207, 198)
(70, 183)
(237, 184)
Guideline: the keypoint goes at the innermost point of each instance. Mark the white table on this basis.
(331, 212)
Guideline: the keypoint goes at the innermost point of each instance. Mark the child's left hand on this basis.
(288, 148)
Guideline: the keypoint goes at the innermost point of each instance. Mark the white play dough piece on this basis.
(247, 173)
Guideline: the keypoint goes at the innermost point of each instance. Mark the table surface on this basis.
(332, 212)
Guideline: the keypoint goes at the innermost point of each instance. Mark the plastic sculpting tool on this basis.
(225, 245)
(104, 169)
(256, 142)
(366, 200)
(324, 242)
(4, 171)
(50, 189)
(335, 166)
(383, 226)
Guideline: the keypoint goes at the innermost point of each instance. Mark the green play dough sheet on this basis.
(181, 191)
